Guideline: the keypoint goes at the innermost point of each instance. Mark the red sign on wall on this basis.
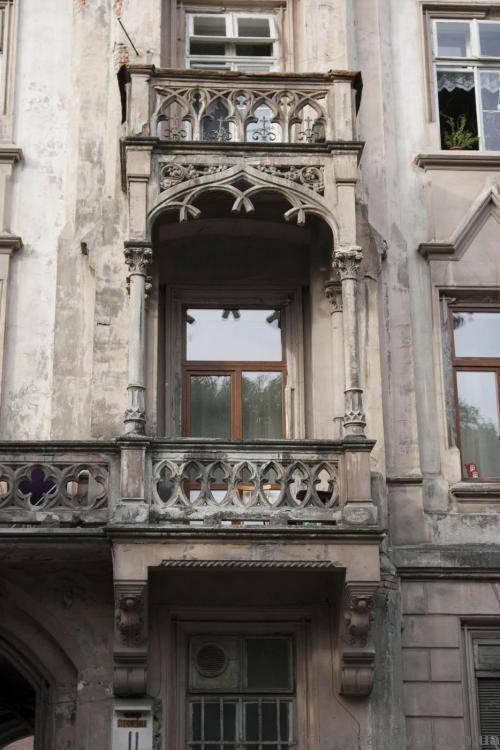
(472, 471)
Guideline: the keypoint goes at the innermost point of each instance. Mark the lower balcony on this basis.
(186, 483)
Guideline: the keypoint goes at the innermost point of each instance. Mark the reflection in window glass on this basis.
(490, 106)
(253, 27)
(233, 335)
(262, 405)
(479, 424)
(476, 334)
(209, 25)
(489, 39)
(211, 406)
(453, 39)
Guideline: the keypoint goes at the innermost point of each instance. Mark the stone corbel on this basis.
(358, 654)
(131, 638)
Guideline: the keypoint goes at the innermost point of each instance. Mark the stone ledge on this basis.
(459, 160)
(479, 492)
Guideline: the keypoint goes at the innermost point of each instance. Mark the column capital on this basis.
(138, 257)
(347, 261)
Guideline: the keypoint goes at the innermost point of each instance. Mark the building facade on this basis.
(250, 407)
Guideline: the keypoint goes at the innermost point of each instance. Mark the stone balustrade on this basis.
(181, 106)
(183, 482)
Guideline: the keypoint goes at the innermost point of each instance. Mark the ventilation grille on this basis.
(489, 707)
(210, 660)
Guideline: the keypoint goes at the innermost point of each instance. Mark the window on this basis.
(241, 693)
(466, 55)
(231, 41)
(475, 336)
(234, 373)
(483, 666)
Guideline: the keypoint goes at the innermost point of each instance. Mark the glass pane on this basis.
(209, 26)
(268, 663)
(251, 721)
(212, 721)
(479, 429)
(229, 721)
(476, 334)
(253, 27)
(262, 405)
(457, 109)
(269, 721)
(211, 406)
(285, 721)
(490, 105)
(233, 335)
(453, 39)
(489, 39)
(254, 50)
(207, 48)
(196, 720)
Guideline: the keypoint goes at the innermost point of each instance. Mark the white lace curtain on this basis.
(450, 80)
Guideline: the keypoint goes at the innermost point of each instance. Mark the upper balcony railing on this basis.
(179, 106)
(185, 482)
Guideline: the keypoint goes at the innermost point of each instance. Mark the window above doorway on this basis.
(234, 373)
(245, 42)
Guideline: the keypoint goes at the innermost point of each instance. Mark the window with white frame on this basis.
(483, 668)
(232, 41)
(466, 58)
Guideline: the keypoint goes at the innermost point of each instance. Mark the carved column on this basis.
(358, 653)
(131, 638)
(347, 261)
(138, 256)
(333, 293)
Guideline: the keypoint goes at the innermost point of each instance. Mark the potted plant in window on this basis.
(458, 136)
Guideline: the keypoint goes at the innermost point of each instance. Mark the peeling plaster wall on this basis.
(43, 101)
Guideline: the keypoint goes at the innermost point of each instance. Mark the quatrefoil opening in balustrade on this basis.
(38, 488)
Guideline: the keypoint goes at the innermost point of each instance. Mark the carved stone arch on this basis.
(39, 659)
(180, 197)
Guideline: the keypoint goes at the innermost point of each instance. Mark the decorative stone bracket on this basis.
(358, 654)
(131, 638)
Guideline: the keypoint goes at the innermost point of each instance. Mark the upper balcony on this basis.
(266, 110)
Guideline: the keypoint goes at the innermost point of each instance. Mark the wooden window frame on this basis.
(473, 632)
(471, 364)
(233, 368)
(177, 297)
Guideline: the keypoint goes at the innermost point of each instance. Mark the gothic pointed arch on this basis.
(182, 185)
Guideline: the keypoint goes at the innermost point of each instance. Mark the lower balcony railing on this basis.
(259, 483)
(187, 483)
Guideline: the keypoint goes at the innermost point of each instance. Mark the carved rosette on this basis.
(311, 177)
(348, 262)
(131, 638)
(358, 654)
(173, 173)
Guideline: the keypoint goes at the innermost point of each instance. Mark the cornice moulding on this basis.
(10, 154)
(459, 160)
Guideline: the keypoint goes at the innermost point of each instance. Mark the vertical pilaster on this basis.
(347, 261)
(333, 292)
(138, 256)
